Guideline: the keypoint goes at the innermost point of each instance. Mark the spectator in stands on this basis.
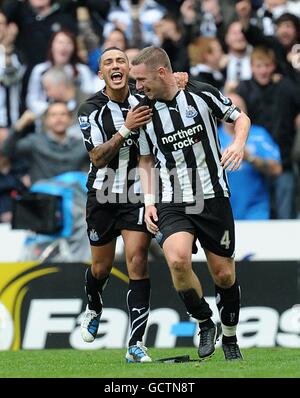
(125, 14)
(97, 11)
(11, 73)
(36, 20)
(249, 184)
(58, 86)
(205, 54)
(274, 104)
(52, 152)
(62, 54)
(91, 16)
(270, 10)
(203, 18)
(171, 38)
(286, 36)
(238, 50)
(115, 38)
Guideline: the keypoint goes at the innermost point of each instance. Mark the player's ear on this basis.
(100, 75)
(161, 71)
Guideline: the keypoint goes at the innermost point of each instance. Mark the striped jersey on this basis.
(183, 138)
(99, 119)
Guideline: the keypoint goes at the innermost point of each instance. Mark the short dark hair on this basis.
(110, 49)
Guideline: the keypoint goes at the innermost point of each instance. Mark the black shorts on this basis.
(105, 222)
(214, 227)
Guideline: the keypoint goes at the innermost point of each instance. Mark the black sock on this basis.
(94, 289)
(196, 307)
(228, 302)
(138, 305)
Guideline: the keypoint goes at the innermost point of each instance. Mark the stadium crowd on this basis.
(249, 50)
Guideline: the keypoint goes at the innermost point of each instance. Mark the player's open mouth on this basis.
(116, 77)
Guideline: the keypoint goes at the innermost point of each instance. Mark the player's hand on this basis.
(138, 116)
(232, 157)
(151, 219)
(182, 79)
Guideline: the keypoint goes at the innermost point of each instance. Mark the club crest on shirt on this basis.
(94, 237)
(84, 122)
(191, 112)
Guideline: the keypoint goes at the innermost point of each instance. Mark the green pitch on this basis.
(109, 363)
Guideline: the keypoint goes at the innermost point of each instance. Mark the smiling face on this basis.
(147, 81)
(114, 69)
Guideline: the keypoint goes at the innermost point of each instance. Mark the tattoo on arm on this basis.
(102, 154)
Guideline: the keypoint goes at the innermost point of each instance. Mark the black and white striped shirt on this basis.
(99, 119)
(183, 137)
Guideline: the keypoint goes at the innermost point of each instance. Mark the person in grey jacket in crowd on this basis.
(49, 153)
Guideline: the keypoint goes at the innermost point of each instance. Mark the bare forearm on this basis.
(241, 129)
(102, 154)
(147, 174)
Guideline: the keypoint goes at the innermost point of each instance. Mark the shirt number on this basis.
(225, 241)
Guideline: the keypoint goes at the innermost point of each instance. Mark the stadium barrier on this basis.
(275, 240)
(41, 306)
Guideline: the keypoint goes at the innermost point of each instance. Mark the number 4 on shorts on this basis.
(225, 241)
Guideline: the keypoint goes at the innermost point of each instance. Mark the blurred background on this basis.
(49, 51)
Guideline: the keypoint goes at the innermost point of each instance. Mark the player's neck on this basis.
(118, 95)
(170, 88)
